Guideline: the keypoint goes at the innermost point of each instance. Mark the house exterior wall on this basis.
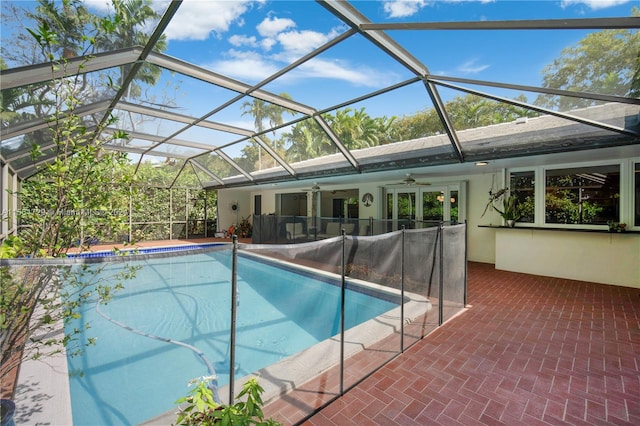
(226, 215)
(587, 256)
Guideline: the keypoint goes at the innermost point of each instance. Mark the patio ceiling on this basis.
(207, 131)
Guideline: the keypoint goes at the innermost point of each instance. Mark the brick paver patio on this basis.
(529, 350)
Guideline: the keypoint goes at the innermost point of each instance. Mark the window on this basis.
(455, 201)
(583, 195)
(522, 186)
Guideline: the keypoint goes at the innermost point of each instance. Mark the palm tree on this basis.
(258, 109)
(305, 142)
(130, 17)
(261, 111)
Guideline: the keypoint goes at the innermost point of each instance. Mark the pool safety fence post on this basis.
(402, 292)
(434, 257)
(232, 341)
(130, 238)
(441, 273)
(466, 248)
(342, 305)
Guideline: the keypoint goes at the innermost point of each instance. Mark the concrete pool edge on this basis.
(43, 394)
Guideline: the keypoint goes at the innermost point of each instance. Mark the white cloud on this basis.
(403, 8)
(270, 27)
(101, 5)
(242, 40)
(302, 42)
(249, 62)
(267, 43)
(471, 67)
(339, 70)
(249, 66)
(196, 20)
(594, 4)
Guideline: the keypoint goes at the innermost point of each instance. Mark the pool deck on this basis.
(529, 350)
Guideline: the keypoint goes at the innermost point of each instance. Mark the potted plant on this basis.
(510, 211)
(244, 229)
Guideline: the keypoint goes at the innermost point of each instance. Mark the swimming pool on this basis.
(128, 378)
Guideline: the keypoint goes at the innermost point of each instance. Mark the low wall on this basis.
(601, 257)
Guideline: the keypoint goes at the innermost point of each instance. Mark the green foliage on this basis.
(507, 207)
(465, 112)
(432, 206)
(421, 124)
(356, 129)
(200, 407)
(616, 226)
(13, 247)
(510, 209)
(307, 140)
(603, 62)
(562, 206)
(82, 192)
(527, 208)
(75, 194)
(123, 31)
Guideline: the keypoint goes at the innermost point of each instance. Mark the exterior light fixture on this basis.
(482, 163)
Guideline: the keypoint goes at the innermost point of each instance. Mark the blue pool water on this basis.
(127, 378)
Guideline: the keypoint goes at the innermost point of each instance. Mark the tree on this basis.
(604, 62)
(473, 111)
(70, 197)
(262, 111)
(130, 18)
(421, 124)
(306, 140)
(356, 129)
(465, 112)
(77, 32)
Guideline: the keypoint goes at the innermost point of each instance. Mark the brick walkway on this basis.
(530, 350)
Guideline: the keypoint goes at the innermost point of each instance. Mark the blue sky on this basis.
(250, 40)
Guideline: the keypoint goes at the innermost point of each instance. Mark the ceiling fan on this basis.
(409, 181)
(315, 188)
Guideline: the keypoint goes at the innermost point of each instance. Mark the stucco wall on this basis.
(226, 215)
(481, 241)
(586, 256)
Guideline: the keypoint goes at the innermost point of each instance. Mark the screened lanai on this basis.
(231, 94)
(249, 104)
